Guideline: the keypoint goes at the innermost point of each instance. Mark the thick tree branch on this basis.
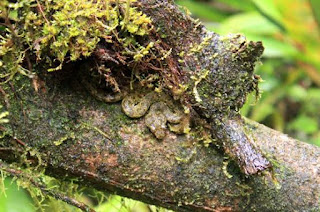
(77, 136)
(111, 152)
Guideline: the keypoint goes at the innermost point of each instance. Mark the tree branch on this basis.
(111, 152)
(75, 135)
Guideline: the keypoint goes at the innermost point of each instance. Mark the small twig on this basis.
(44, 16)
(5, 97)
(42, 13)
(14, 138)
(7, 149)
(45, 190)
(19, 141)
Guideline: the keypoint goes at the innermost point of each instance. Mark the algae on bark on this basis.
(63, 130)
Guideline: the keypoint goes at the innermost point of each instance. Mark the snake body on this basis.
(157, 111)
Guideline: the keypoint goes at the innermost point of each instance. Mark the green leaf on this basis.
(316, 140)
(312, 103)
(261, 112)
(268, 84)
(14, 199)
(269, 10)
(265, 106)
(121, 204)
(297, 93)
(244, 5)
(315, 5)
(247, 106)
(203, 10)
(305, 124)
(275, 48)
(314, 93)
(249, 22)
(256, 27)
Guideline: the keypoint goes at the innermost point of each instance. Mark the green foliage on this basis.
(3, 116)
(17, 196)
(305, 124)
(289, 29)
(14, 199)
(202, 10)
(315, 5)
(121, 204)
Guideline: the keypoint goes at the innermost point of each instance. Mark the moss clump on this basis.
(220, 88)
(3, 116)
(58, 31)
(3, 120)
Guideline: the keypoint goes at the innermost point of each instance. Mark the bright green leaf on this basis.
(268, 9)
(297, 93)
(275, 48)
(244, 5)
(203, 10)
(305, 124)
(14, 199)
(249, 22)
(121, 204)
(315, 6)
(314, 93)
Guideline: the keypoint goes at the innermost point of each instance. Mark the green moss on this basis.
(3, 116)
(64, 138)
(197, 48)
(58, 31)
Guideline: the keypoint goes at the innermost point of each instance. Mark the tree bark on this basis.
(78, 136)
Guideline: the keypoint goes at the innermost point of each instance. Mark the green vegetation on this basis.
(55, 33)
(3, 116)
(60, 31)
(14, 199)
(290, 31)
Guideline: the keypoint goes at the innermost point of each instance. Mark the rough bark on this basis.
(78, 136)
(113, 153)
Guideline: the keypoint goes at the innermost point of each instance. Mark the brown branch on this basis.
(175, 173)
(78, 136)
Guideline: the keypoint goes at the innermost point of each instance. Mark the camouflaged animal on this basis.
(216, 93)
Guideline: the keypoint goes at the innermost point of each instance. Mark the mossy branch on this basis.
(56, 125)
(175, 173)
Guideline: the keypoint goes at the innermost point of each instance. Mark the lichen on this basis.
(197, 48)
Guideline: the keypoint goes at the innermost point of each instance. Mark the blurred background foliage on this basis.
(290, 98)
(14, 198)
(290, 69)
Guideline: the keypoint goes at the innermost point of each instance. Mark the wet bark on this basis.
(79, 136)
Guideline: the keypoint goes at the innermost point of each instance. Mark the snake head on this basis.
(223, 86)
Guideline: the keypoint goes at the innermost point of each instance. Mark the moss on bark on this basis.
(111, 152)
(59, 127)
